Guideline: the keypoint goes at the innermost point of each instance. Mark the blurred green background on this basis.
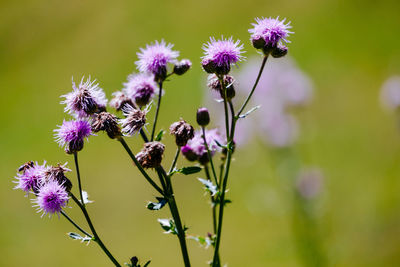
(347, 47)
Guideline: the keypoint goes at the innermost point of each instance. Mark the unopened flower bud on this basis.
(107, 122)
(258, 43)
(203, 117)
(267, 49)
(74, 146)
(208, 66)
(151, 154)
(279, 51)
(183, 132)
(182, 66)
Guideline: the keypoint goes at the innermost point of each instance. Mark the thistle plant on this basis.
(208, 149)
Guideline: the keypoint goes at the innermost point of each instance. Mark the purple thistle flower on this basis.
(269, 31)
(71, 135)
(390, 93)
(134, 121)
(51, 198)
(31, 178)
(221, 54)
(196, 149)
(140, 88)
(85, 99)
(155, 57)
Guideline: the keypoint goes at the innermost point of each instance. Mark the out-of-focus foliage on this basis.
(348, 48)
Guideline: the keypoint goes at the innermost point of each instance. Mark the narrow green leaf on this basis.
(160, 135)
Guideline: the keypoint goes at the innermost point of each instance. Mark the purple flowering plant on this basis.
(52, 191)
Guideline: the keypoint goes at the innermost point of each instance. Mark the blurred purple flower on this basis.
(85, 99)
(140, 88)
(196, 145)
(309, 183)
(270, 30)
(280, 129)
(155, 57)
(31, 177)
(51, 198)
(71, 135)
(222, 54)
(281, 86)
(390, 93)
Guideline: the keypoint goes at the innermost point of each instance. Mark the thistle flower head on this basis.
(119, 100)
(219, 55)
(57, 173)
(269, 32)
(140, 88)
(151, 154)
(31, 177)
(134, 120)
(155, 57)
(71, 135)
(182, 131)
(85, 99)
(51, 198)
(107, 122)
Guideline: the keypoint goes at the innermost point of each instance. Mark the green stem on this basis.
(221, 80)
(213, 203)
(178, 150)
(139, 166)
(75, 224)
(79, 177)
(96, 237)
(254, 86)
(160, 84)
(209, 155)
(230, 136)
(175, 215)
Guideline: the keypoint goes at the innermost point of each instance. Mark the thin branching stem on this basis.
(96, 237)
(209, 155)
(139, 166)
(75, 224)
(160, 84)
(178, 150)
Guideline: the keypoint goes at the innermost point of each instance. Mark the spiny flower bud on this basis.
(183, 132)
(134, 121)
(203, 117)
(107, 122)
(208, 65)
(151, 154)
(214, 84)
(279, 51)
(56, 173)
(182, 66)
(120, 100)
(258, 43)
